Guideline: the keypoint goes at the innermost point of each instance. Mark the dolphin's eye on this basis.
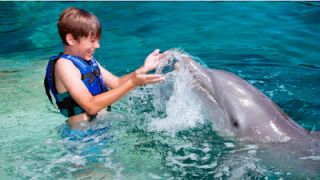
(234, 122)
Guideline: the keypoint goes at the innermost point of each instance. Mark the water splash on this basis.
(174, 98)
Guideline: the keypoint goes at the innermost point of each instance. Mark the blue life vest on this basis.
(90, 76)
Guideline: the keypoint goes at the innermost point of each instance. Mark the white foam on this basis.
(191, 156)
(171, 160)
(74, 159)
(153, 176)
(183, 146)
(253, 152)
(206, 157)
(206, 149)
(229, 145)
(209, 166)
(183, 110)
(315, 158)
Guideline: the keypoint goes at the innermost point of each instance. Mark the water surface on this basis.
(273, 45)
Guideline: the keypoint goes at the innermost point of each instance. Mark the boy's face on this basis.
(86, 46)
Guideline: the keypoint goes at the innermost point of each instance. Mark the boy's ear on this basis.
(69, 38)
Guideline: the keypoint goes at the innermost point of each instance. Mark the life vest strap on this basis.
(67, 105)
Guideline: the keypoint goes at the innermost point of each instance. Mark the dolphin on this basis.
(240, 110)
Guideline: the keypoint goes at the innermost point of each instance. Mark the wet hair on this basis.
(78, 22)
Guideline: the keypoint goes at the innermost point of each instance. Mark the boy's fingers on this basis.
(148, 76)
(157, 80)
(156, 51)
(154, 78)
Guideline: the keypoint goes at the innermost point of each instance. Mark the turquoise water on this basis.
(273, 45)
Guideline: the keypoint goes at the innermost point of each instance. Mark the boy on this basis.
(77, 81)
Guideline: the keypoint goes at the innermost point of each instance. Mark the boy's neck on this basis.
(70, 50)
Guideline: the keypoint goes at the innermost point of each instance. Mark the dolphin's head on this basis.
(180, 66)
(234, 106)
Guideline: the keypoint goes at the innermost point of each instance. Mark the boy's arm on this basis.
(113, 81)
(70, 77)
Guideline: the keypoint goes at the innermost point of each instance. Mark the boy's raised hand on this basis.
(152, 61)
(140, 76)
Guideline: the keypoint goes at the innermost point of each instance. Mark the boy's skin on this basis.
(68, 78)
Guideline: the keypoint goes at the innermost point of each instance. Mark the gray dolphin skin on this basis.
(239, 109)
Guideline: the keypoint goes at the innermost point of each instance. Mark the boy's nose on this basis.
(97, 45)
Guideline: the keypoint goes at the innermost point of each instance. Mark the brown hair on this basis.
(79, 23)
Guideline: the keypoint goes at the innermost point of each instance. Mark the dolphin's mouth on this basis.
(175, 60)
(170, 61)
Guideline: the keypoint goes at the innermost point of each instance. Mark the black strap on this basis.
(46, 86)
(92, 75)
(109, 108)
(51, 78)
(68, 103)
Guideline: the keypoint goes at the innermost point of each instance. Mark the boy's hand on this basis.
(151, 61)
(142, 79)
